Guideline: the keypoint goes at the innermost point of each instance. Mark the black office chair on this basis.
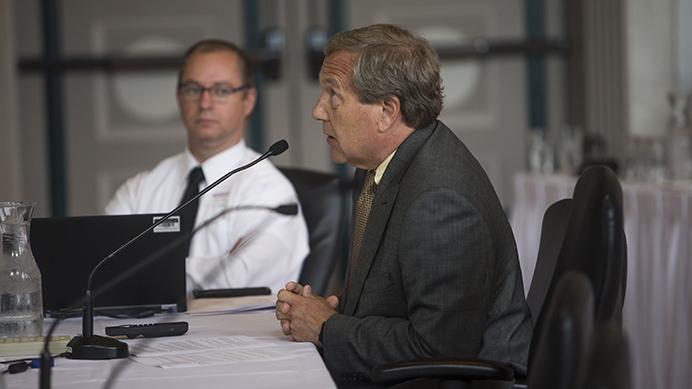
(325, 200)
(593, 242)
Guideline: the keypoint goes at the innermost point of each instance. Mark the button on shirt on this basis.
(243, 248)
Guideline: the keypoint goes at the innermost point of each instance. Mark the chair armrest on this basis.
(465, 370)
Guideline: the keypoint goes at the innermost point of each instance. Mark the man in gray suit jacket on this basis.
(434, 269)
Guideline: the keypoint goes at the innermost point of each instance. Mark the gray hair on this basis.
(392, 61)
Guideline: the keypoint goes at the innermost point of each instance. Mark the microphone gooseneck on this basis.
(90, 346)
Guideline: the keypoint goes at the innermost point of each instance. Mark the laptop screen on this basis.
(67, 249)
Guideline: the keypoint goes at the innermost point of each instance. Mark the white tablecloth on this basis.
(303, 367)
(658, 304)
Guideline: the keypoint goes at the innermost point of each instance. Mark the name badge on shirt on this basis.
(170, 225)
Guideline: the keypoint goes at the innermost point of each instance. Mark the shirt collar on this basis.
(219, 164)
(379, 171)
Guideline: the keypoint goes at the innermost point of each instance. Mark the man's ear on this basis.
(249, 101)
(391, 107)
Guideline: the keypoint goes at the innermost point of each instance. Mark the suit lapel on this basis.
(379, 215)
(385, 197)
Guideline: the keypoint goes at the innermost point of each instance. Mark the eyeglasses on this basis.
(193, 91)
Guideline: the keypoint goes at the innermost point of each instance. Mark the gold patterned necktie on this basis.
(363, 206)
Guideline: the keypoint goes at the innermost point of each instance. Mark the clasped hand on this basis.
(302, 313)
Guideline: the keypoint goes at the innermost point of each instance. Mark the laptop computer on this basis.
(68, 248)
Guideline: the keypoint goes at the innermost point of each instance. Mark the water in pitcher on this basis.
(21, 307)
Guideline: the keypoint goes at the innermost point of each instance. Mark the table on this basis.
(302, 368)
(657, 313)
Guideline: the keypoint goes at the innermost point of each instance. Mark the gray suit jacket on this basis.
(438, 273)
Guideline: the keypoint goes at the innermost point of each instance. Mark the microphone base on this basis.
(96, 347)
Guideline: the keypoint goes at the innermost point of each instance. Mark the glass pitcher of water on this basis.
(21, 306)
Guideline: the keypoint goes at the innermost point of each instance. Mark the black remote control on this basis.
(151, 330)
(231, 292)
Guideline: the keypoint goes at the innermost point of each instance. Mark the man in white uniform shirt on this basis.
(244, 248)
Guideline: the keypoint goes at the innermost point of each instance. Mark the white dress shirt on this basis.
(242, 248)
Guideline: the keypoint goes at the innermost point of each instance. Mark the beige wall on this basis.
(116, 124)
(99, 131)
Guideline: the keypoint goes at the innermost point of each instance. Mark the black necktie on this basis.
(189, 213)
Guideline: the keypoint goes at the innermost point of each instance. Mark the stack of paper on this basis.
(207, 351)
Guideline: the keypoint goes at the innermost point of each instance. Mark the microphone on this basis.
(288, 209)
(90, 346)
(278, 147)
